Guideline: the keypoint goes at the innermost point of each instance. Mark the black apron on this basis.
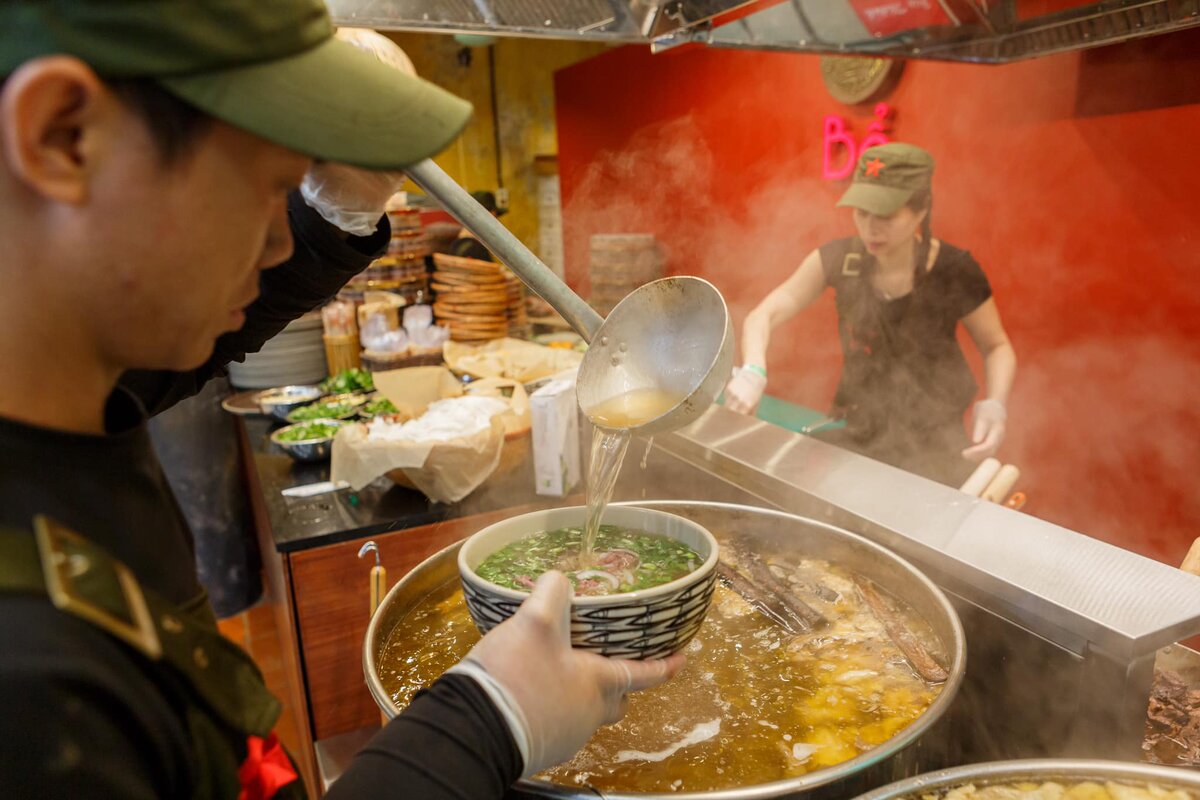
(904, 387)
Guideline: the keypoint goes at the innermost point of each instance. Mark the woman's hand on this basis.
(744, 392)
(988, 420)
(560, 696)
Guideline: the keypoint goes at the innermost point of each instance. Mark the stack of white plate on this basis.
(296, 355)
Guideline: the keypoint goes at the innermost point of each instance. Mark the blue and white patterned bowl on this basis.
(648, 623)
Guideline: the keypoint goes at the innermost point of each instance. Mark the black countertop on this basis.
(298, 523)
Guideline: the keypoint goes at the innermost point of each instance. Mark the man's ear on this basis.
(46, 109)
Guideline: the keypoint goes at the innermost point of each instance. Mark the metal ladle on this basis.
(673, 335)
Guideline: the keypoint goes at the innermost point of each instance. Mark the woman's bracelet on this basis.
(756, 368)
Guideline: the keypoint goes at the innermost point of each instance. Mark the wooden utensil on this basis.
(1002, 484)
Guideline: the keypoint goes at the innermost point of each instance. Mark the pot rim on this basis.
(992, 772)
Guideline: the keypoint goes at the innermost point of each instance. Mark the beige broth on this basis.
(754, 704)
(613, 420)
(633, 408)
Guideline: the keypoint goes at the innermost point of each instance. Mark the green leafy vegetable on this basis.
(379, 406)
(349, 380)
(312, 430)
(326, 410)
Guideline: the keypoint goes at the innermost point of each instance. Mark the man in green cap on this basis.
(150, 152)
(900, 294)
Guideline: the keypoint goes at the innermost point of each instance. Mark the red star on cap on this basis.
(873, 168)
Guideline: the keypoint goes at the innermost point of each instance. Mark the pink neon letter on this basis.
(835, 134)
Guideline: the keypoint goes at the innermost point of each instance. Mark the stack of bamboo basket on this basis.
(619, 264)
(472, 298)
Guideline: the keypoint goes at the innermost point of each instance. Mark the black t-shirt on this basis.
(904, 374)
(83, 715)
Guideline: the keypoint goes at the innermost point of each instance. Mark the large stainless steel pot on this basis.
(766, 532)
(1039, 770)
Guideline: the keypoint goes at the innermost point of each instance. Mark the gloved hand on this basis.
(745, 390)
(988, 419)
(558, 697)
(350, 198)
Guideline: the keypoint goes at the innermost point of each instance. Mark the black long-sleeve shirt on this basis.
(82, 715)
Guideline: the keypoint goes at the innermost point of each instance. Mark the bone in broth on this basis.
(754, 704)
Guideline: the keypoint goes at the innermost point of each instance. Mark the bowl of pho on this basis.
(640, 591)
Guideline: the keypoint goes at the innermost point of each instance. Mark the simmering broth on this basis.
(753, 705)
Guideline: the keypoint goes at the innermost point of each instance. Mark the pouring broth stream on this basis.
(613, 420)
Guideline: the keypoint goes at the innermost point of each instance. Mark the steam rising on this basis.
(666, 181)
(1078, 449)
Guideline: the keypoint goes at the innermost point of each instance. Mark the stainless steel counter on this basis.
(1076, 591)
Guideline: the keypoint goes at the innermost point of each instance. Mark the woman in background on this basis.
(900, 294)
(466, 245)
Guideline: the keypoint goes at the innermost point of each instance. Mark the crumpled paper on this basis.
(518, 419)
(514, 359)
(449, 446)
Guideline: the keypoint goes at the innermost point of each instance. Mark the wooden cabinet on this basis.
(331, 596)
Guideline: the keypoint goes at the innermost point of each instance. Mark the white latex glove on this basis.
(988, 419)
(350, 198)
(744, 391)
(556, 697)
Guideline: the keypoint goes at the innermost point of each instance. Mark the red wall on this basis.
(1074, 179)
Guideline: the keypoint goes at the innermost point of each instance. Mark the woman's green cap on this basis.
(887, 177)
(270, 67)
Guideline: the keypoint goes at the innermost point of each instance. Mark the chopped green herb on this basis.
(312, 430)
(379, 406)
(625, 560)
(326, 410)
(349, 380)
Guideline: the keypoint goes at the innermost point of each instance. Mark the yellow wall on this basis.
(525, 99)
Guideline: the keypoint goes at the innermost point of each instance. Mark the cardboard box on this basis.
(555, 413)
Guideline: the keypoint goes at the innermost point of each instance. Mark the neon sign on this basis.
(839, 150)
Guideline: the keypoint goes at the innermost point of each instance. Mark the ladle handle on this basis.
(479, 221)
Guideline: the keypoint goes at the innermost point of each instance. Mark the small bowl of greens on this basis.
(278, 403)
(642, 593)
(340, 406)
(308, 441)
(377, 406)
(349, 380)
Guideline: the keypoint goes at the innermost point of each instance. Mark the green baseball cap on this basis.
(887, 177)
(270, 67)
